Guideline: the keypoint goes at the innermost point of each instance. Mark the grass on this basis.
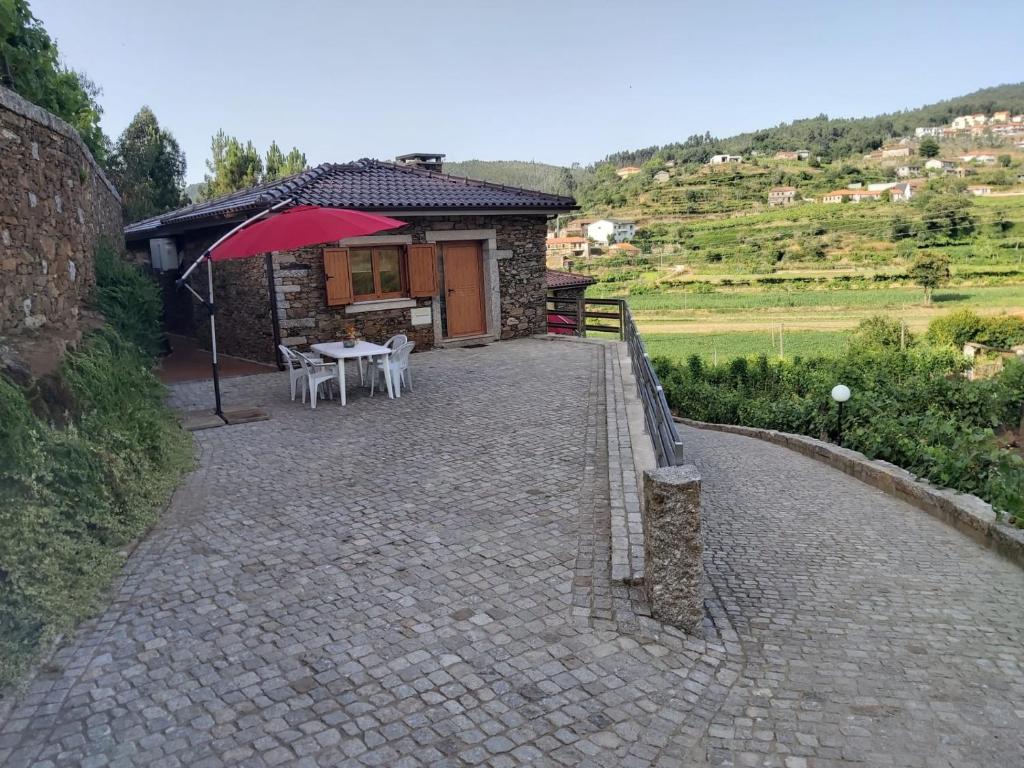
(992, 297)
(726, 345)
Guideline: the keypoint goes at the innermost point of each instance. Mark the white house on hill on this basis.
(611, 230)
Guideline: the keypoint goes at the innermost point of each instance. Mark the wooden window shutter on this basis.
(422, 270)
(337, 277)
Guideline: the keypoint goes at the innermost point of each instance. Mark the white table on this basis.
(362, 349)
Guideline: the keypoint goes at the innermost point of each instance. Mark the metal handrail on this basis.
(657, 415)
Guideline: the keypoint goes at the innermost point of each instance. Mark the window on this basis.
(376, 272)
(372, 273)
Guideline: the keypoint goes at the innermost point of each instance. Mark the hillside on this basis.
(831, 137)
(517, 173)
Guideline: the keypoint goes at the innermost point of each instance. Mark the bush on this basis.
(69, 498)
(128, 299)
(912, 408)
(879, 331)
(964, 325)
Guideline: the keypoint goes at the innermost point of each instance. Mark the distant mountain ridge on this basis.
(831, 137)
(522, 173)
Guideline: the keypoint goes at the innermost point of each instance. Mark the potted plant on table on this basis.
(350, 339)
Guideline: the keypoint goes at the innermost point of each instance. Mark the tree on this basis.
(1002, 223)
(1005, 160)
(278, 165)
(232, 166)
(930, 270)
(30, 65)
(928, 147)
(568, 182)
(944, 216)
(148, 168)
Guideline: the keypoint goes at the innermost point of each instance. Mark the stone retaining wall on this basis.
(964, 511)
(56, 204)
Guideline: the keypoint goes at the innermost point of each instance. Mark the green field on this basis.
(723, 346)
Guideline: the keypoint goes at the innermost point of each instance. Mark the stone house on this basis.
(896, 151)
(468, 266)
(781, 196)
(724, 159)
(562, 249)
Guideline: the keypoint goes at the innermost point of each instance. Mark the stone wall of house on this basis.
(55, 206)
(245, 308)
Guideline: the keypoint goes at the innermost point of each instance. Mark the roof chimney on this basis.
(428, 161)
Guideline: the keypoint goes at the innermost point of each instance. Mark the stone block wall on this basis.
(245, 308)
(55, 206)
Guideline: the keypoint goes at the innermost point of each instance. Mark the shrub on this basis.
(912, 408)
(880, 331)
(128, 299)
(964, 325)
(69, 498)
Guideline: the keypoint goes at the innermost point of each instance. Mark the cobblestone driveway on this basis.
(426, 582)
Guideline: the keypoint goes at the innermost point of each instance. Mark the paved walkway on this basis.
(426, 582)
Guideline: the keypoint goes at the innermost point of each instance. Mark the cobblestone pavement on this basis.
(426, 581)
(871, 633)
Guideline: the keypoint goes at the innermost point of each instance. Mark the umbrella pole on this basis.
(213, 339)
(208, 302)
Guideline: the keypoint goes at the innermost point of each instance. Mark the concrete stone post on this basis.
(672, 545)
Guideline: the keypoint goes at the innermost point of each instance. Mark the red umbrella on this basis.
(276, 230)
(299, 226)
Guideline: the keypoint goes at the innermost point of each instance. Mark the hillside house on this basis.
(980, 190)
(781, 196)
(1008, 129)
(468, 265)
(981, 158)
(562, 249)
(907, 171)
(851, 195)
(790, 154)
(900, 193)
(935, 131)
(939, 165)
(611, 230)
(662, 176)
(623, 249)
(629, 170)
(724, 159)
(1001, 116)
(896, 150)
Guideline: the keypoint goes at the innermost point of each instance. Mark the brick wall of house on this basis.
(55, 206)
(244, 308)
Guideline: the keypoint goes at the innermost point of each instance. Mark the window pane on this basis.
(361, 263)
(390, 276)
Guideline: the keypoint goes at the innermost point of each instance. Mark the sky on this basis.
(557, 81)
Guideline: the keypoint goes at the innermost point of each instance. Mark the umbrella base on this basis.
(195, 421)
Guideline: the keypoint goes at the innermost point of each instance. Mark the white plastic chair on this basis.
(317, 374)
(296, 373)
(399, 364)
(393, 343)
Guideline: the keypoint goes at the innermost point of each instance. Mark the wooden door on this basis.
(464, 289)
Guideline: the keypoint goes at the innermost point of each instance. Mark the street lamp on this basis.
(840, 393)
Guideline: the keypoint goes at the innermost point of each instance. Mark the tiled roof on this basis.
(566, 240)
(554, 278)
(365, 185)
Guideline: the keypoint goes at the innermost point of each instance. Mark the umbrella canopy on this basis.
(297, 227)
